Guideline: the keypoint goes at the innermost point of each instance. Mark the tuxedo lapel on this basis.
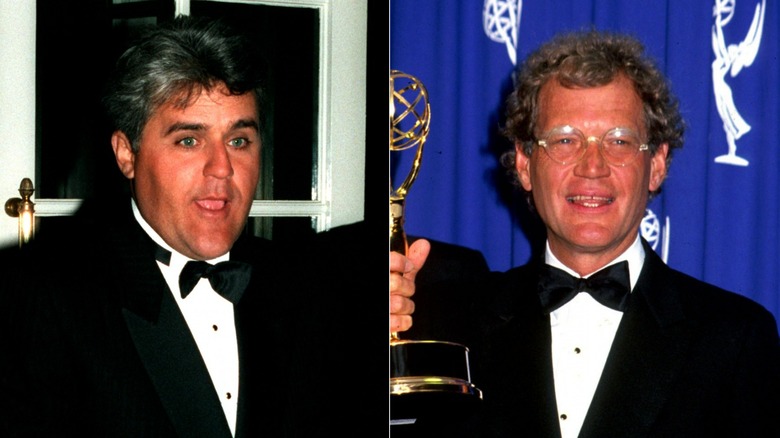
(519, 387)
(263, 408)
(174, 364)
(246, 318)
(163, 340)
(645, 357)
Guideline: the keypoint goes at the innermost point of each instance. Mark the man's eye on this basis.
(565, 141)
(188, 142)
(623, 143)
(239, 142)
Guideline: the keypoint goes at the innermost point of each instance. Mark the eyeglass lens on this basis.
(567, 145)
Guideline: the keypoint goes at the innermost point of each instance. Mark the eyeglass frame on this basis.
(542, 142)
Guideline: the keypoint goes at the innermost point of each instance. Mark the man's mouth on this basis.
(212, 204)
(589, 201)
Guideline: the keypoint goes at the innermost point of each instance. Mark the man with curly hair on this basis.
(599, 337)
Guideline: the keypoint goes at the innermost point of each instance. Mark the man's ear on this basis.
(658, 167)
(523, 167)
(123, 151)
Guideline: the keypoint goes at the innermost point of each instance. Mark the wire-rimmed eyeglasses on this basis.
(567, 145)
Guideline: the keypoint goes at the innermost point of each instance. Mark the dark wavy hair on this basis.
(178, 60)
(589, 59)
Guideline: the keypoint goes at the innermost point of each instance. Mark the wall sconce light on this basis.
(24, 209)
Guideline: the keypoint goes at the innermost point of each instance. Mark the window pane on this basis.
(289, 40)
(282, 229)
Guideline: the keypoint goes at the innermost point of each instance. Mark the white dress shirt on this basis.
(582, 334)
(211, 321)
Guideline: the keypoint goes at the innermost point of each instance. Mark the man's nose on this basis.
(593, 162)
(218, 162)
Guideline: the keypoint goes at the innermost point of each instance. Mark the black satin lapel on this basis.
(263, 395)
(174, 365)
(647, 353)
(137, 277)
(528, 374)
(519, 391)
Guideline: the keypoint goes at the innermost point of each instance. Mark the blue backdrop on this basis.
(717, 217)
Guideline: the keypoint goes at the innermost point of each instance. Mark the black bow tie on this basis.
(610, 287)
(228, 278)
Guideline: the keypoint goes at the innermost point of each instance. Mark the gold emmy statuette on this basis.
(422, 372)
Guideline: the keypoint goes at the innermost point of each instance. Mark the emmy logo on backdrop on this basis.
(731, 59)
(422, 372)
(501, 21)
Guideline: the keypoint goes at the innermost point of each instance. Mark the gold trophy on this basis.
(422, 372)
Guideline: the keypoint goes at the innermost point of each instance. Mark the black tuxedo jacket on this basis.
(95, 345)
(449, 262)
(688, 360)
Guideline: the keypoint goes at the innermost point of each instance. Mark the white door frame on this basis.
(17, 104)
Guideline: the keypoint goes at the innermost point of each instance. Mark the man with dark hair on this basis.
(600, 337)
(159, 315)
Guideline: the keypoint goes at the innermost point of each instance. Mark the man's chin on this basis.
(211, 247)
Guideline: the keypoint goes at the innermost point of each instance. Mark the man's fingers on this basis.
(399, 263)
(403, 270)
(401, 305)
(418, 254)
(401, 285)
(400, 323)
